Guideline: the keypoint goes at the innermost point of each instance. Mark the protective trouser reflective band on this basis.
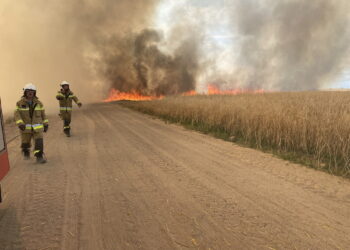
(38, 153)
(65, 127)
(19, 121)
(65, 108)
(34, 126)
(38, 126)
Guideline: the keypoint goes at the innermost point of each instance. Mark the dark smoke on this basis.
(290, 44)
(136, 63)
(101, 44)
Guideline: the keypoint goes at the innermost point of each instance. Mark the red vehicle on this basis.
(4, 160)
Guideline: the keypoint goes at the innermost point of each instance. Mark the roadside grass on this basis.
(309, 128)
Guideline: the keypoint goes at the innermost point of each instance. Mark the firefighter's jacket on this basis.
(31, 115)
(66, 101)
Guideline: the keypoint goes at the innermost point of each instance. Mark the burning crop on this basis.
(116, 95)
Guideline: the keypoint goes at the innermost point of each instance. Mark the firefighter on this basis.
(65, 97)
(31, 120)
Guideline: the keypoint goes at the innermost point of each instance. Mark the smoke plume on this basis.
(289, 44)
(136, 63)
(101, 44)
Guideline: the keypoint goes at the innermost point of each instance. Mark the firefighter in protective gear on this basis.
(66, 97)
(31, 120)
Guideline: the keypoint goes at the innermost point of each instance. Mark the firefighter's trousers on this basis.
(38, 142)
(66, 116)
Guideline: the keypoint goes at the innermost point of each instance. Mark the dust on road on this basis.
(127, 181)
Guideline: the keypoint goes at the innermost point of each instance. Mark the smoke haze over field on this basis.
(163, 47)
(45, 42)
(291, 44)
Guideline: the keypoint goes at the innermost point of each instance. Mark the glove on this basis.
(59, 98)
(46, 128)
(22, 127)
(80, 104)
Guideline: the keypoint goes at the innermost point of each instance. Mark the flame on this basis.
(116, 95)
(214, 90)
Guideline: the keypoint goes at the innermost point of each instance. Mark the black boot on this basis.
(67, 132)
(66, 128)
(40, 159)
(26, 154)
(38, 151)
(25, 151)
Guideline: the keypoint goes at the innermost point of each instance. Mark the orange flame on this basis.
(116, 95)
(214, 90)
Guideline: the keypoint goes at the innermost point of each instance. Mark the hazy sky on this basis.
(219, 40)
(40, 40)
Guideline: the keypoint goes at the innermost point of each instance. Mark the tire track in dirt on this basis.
(127, 181)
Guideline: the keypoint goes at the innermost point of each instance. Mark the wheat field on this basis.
(308, 127)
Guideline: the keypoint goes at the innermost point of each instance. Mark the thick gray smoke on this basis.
(101, 44)
(136, 63)
(289, 44)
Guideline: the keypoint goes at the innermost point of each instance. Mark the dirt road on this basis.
(127, 181)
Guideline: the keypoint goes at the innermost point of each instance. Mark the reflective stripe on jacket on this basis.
(33, 117)
(66, 104)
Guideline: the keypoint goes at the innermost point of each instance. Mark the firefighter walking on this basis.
(31, 120)
(66, 97)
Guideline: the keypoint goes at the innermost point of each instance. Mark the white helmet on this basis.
(29, 86)
(64, 83)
